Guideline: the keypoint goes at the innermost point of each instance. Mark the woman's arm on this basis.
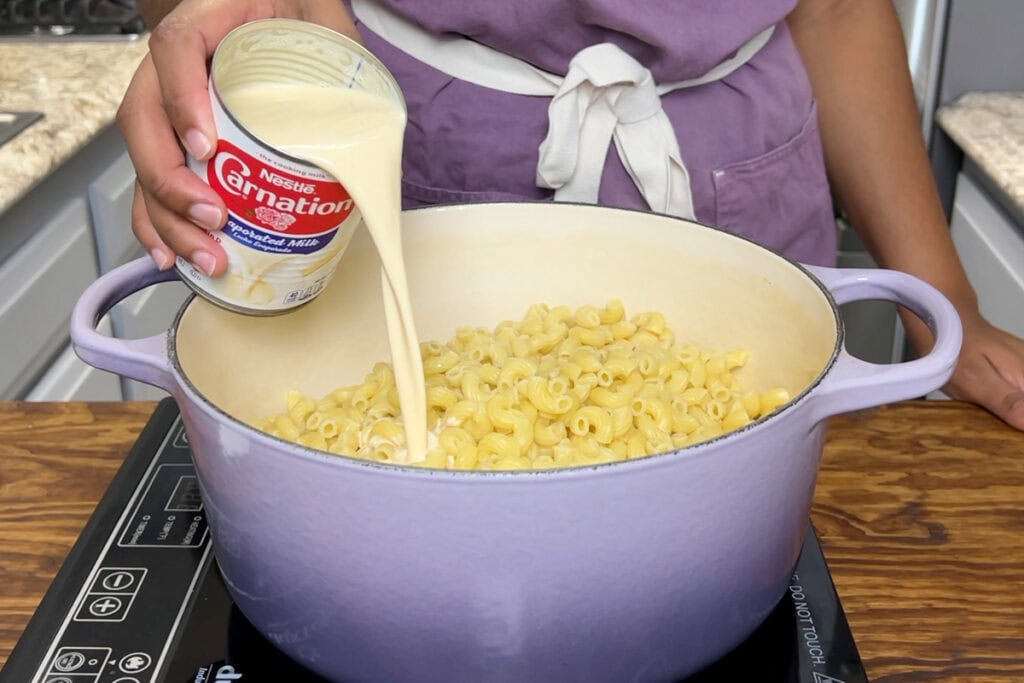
(879, 171)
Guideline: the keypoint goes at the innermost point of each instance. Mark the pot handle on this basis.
(852, 383)
(145, 360)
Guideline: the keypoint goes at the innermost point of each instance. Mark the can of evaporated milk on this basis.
(288, 221)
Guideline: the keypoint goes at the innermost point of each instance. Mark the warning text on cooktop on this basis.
(169, 513)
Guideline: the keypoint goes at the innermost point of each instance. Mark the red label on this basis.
(274, 199)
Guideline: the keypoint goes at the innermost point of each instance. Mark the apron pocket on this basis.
(781, 199)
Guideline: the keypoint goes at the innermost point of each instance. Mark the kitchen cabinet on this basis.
(41, 282)
(873, 331)
(144, 313)
(991, 247)
(110, 201)
(72, 227)
(68, 378)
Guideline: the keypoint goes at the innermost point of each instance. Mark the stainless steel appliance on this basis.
(70, 20)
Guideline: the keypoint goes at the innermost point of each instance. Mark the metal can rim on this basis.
(309, 27)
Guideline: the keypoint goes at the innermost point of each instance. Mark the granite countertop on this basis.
(78, 87)
(989, 128)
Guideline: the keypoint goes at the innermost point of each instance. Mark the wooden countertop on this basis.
(919, 505)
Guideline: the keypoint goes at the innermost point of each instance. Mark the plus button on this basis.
(105, 606)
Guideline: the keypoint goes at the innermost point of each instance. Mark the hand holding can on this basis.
(167, 108)
(288, 222)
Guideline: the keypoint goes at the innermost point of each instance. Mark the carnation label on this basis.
(287, 227)
(293, 214)
(288, 94)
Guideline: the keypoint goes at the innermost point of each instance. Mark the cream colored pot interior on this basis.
(481, 264)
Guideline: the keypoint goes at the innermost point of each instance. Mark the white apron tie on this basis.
(605, 95)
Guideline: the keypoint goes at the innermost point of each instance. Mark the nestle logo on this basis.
(287, 183)
(266, 196)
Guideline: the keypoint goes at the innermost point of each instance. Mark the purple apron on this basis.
(750, 141)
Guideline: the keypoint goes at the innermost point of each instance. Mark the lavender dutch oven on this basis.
(639, 571)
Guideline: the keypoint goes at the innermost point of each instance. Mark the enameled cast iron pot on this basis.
(638, 571)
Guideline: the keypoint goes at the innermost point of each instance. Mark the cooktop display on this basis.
(140, 599)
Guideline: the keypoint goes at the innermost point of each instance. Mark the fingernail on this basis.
(161, 258)
(204, 261)
(205, 215)
(196, 143)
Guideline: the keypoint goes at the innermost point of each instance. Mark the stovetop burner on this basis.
(140, 599)
(55, 19)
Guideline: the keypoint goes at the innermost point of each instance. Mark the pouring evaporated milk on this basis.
(310, 130)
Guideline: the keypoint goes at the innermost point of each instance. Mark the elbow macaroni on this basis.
(559, 388)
